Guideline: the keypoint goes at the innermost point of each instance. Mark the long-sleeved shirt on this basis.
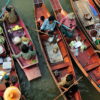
(71, 23)
(47, 26)
(26, 56)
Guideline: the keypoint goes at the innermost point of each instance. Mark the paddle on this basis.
(39, 31)
(68, 88)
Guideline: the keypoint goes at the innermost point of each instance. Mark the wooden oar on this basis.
(39, 31)
(68, 88)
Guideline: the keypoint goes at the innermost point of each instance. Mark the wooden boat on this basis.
(5, 68)
(89, 26)
(88, 60)
(97, 2)
(57, 61)
(30, 67)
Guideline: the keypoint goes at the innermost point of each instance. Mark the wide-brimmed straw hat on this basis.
(71, 15)
(12, 93)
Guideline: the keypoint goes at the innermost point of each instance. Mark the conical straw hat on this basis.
(12, 93)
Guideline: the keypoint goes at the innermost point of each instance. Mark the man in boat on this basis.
(65, 82)
(40, 21)
(26, 53)
(49, 25)
(68, 24)
(10, 15)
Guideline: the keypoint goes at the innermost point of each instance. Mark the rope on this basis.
(4, 8)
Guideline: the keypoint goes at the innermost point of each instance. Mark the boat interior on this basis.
(16, 48)
(89, 15)
(88, 59)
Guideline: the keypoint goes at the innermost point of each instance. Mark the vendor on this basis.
(10, 15)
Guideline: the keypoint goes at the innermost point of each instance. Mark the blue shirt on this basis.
(47, 26)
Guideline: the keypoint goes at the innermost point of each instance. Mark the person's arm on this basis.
(98, 38)
(3, 18)
(33, 52)
(44, 25)
(18, 55)
(97, 51)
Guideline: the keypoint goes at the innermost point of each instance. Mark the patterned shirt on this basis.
(71, 23)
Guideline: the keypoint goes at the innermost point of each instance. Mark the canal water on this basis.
(44, 88)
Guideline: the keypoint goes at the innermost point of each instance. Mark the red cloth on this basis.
(71, 23)
(17, 85)
(1, 93)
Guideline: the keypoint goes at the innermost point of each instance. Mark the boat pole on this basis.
(68, 88)
(39, 31)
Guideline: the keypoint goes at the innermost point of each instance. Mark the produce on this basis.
(2, 40)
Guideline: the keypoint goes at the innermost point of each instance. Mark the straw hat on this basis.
(12, 93)
(71, 15)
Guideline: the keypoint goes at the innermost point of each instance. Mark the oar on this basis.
(68, 88)
(39, 31)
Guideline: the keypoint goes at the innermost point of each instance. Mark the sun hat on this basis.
(12, 93)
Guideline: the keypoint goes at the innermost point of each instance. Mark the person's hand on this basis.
(59, 25)
(47, 30)
(13, 56)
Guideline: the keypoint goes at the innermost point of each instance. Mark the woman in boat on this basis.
(65, 82)
(10, 15)
(70, 22)
(26, 53)
(49, 25)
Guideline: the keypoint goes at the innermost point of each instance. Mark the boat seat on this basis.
(91, 66)
(93, 54)
(60, 66)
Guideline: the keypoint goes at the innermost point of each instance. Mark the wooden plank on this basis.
(60, 66)
(92, 66)
(32, 72)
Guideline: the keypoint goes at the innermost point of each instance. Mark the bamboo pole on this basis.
(68, 88)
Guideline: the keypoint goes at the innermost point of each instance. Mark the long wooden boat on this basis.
(97, 2)
(30, 67)
(88, 60)
(81, 8)
(56, 61)
(6, 70)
